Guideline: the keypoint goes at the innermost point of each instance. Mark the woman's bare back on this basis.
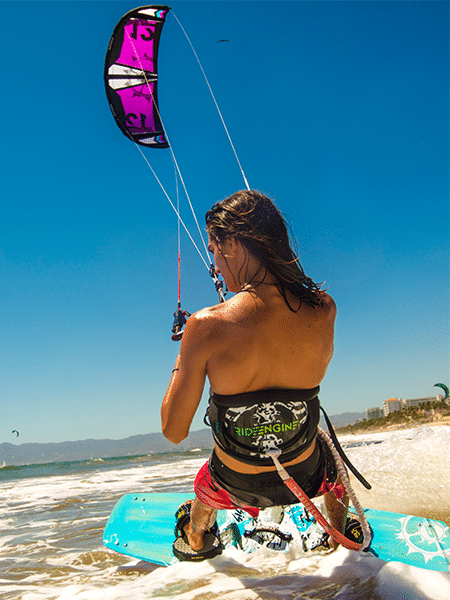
(257, 342)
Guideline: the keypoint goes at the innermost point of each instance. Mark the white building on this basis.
(416, 401)
(392, 405)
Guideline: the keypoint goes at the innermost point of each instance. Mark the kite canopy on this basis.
(131, 75)
(16, 432)
(444, 387)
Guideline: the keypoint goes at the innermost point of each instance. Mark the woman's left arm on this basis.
(186, 385)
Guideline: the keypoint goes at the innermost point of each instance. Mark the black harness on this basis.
(247, 425)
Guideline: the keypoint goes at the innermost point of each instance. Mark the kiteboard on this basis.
(142, 526)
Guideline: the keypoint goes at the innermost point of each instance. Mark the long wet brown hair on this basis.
(256, 222)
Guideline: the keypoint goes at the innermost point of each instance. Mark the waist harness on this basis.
(246, 426)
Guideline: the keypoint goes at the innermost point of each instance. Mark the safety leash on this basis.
(350, 491)
(315, 512)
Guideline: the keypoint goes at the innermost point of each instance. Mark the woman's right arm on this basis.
(185, 389)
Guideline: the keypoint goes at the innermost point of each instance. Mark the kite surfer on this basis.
(265, 352)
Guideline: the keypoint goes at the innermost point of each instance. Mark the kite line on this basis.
(215, 101)
(131, 87)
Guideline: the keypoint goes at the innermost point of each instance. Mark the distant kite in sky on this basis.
(16, 432)
(131, 75)
(445, 388)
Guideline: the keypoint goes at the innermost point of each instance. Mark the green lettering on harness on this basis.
(265, 429)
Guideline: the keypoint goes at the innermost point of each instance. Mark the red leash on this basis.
(309, 505)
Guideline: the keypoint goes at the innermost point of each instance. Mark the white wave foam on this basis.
(55, 523)
(409, 471)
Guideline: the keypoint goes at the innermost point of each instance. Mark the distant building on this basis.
(374, 413)
(417, 401)
(392, 405)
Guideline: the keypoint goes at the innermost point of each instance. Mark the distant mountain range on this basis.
(151, 443)
(343, 419)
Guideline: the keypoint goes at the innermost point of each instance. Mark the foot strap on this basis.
(181, 548)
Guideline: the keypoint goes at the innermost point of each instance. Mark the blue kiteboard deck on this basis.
(142, 526)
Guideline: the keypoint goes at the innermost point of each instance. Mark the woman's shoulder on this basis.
(327, 310)
(324, 312)
(328, 303)
(209, 322)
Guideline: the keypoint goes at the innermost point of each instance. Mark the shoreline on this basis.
(444, 421)
(385, 432)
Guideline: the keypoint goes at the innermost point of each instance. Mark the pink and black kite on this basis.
(131, 75)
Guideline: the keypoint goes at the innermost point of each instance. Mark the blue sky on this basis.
(338, 111)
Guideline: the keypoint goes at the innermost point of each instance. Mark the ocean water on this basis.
(52, 518)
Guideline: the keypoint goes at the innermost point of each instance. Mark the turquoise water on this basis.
(90, 465)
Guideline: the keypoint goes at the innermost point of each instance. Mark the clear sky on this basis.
(338, 111)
